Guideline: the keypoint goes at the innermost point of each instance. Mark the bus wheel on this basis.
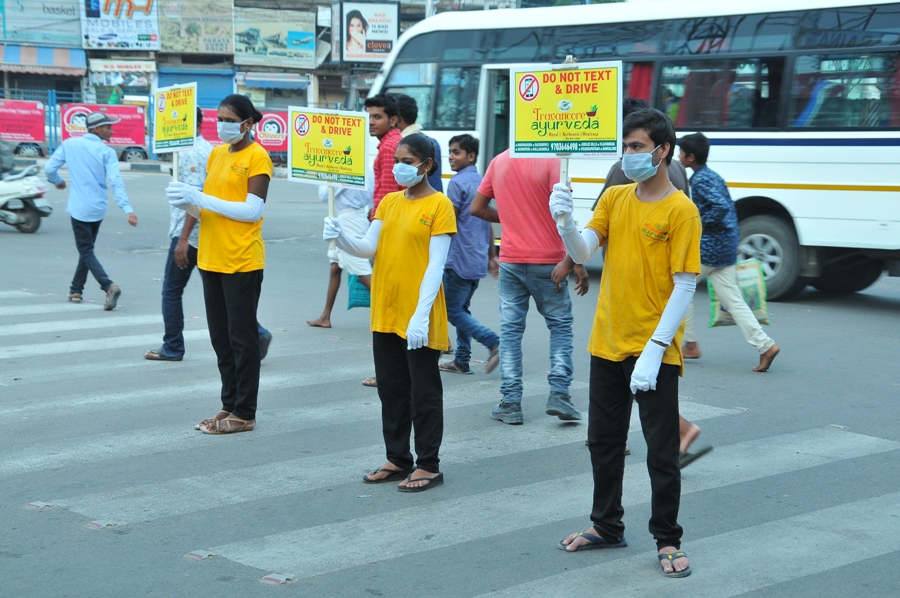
(849, 276)
(773, 242)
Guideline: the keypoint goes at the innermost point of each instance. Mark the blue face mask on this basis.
(639, 167)
(407, 175)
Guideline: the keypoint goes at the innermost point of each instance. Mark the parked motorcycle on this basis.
(22, 202)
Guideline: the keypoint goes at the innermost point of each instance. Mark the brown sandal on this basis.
(228, 425)
(75, 297)
(220, 415)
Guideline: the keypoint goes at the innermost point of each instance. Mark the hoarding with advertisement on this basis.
(196, 26)
(208, 128)
(119, 24)
(285, 38)
(567, 110)
(271, 132)
(367, 32)
(22, 121)
(174, 118)
(130, 131)
(39, 22)
(328, 146)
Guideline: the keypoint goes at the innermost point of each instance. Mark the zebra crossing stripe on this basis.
(81, 324)
(32, 309)
(742, 561)
(177, 497)
(309, 552)
(94, 344)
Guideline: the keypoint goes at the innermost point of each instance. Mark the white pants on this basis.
(724, 282)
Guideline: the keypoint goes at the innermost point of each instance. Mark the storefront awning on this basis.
(41, 60)
(275, 81)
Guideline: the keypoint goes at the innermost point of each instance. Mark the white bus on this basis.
(802, 106)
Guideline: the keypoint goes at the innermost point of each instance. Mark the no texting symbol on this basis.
(301, 125)
(529, 87)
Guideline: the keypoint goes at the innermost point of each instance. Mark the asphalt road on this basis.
(785, 506)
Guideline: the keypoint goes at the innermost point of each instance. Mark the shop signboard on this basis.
(366, 32)
(571, 110)
(22, 121)
(130, 131)
(174, 118)
(275, 38)
(328, 146)
(55, 23)
(119, 24)
(196, 26)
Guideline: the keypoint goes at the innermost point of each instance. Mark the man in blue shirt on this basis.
(718, 251)
(90, 162)
(471, 255)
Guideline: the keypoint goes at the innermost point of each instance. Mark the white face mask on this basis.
(230, 132)
(639, 167)
(407, 175)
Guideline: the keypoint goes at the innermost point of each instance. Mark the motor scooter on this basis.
(22, 202)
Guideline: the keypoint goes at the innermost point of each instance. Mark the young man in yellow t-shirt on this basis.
(652, 232)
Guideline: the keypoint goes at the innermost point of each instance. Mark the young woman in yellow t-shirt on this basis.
(231, 256)
(411, 233)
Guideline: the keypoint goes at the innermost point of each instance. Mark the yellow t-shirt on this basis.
(646, 244)
(226, 245)
(401, 260)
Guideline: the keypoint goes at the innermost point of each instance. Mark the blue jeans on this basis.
(458, 294)
(85, 237)
(174, 281)
(519, 283)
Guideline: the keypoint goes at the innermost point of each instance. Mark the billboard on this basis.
(119, 24)
(366, 32)
(196, 26)
(39, 22)
(130, 131)
(285, 38)
(21, 121)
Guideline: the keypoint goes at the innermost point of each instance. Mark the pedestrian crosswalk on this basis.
(288, 498)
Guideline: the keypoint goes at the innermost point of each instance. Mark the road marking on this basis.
(94, 344)
(46, 308)
(83, 324)
(186, 495)
(312, 551)
(16, 294)
(793, 548)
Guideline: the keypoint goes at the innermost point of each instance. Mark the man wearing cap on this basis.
(90, 162)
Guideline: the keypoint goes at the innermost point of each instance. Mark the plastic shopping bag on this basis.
(358, 295)
(753, 287)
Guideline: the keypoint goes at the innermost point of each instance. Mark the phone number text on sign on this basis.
(574, 111)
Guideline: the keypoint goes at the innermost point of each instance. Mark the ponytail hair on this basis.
(242, 106)
(421, 147)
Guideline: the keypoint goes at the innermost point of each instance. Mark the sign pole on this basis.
(175, 166)
(564, 158)
(331, 214)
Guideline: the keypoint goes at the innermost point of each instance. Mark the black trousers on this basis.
(231, 301)
(412, 397)
(608, 419)
(85, 237)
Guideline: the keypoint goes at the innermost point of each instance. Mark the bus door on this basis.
(492, 120)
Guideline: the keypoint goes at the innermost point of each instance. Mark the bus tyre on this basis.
(849, 276)
(773, 242)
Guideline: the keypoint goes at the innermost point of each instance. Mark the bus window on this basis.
(457, 97)
(739, 33)
(733, 94)
(521, 45)
(599, 42)
(846, 91)
(850, 27)
(416, 81)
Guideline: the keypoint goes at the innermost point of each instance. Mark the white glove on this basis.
(417, 332)
(181, 194)
(561, 203)
(643, 377)
(332, 229)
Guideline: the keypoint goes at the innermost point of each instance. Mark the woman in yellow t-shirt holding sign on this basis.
(411, 234)
(231, 256)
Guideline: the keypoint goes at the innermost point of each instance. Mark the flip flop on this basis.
(450, 366)
(671, 557)
(153, 355)
(596, 543)
(685, 459)
(396, 474)
(432, 482)
(370, 382)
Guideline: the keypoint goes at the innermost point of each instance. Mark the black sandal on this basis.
(396, 474)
